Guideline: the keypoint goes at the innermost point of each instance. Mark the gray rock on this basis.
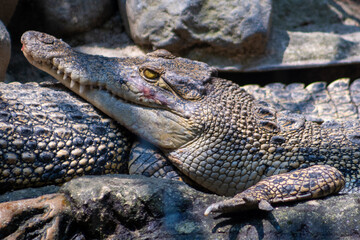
(301, 38)
(7, 9)
(224, 27)
(5, 50)
(66, 17)
(28, 193)
(136, 207)
(318, 33)
(124, 206)
(108, 40)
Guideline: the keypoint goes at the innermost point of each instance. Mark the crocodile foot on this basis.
(25, 219)
(312, 182)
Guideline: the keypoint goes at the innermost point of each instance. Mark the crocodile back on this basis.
(49, 136)
(317, 102)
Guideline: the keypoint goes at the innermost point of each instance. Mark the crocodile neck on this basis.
(229, 142)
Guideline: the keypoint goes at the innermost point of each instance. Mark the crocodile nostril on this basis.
(46, 39)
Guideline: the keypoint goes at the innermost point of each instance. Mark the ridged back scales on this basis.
(50, 136)
(317, 101)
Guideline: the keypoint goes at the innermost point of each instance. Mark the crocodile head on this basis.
(202, 123)
(154, 96)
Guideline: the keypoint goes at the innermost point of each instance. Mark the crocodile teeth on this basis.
(65, 76)
(58, 72)
(74, 76)
(56, 62)
(61, 68)
(72, 83)
(81, 89)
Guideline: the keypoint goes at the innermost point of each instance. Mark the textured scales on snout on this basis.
(211, 129)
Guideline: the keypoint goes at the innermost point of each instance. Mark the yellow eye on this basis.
(150, 74)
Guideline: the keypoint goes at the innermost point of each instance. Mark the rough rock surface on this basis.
(28, 193)
(5, 50)
(67, 17)
(108, 40)
(7, 9)
(318, 33)
(301, 38)
(229, 28)
(136, 207)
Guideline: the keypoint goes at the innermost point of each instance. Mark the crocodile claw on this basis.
(237, 204)
(312, 182)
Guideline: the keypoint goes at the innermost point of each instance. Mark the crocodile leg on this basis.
(145, 159)
(312, 182)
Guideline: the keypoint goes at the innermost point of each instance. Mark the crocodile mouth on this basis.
(84, 86)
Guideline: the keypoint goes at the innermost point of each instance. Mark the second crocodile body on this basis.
(50, 136)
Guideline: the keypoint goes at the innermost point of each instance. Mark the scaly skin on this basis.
(49, 136)
(317, 101)
(301, 184)
(211, 129)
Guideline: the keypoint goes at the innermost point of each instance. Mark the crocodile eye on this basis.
(151, 74)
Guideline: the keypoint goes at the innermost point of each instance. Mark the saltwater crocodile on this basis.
(211, 129)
